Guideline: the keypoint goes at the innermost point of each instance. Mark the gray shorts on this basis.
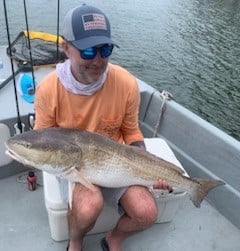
(110, 195)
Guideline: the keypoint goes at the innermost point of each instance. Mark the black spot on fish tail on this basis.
(203, 186)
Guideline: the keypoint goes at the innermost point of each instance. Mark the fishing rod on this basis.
(19, 122)
(7, 80)
(21, 68)
(58, 14)
(29, 45)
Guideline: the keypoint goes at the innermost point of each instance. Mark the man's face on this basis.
(85, 71)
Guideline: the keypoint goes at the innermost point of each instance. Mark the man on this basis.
(87, 92)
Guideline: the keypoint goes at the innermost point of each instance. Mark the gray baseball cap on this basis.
(86, 26)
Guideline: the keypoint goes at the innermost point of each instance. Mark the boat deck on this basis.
(24, 226)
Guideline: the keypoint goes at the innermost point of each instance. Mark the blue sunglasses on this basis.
(91, 52)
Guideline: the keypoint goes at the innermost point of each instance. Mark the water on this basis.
(190, 48)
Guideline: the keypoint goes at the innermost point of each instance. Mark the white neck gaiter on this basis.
(66, 77)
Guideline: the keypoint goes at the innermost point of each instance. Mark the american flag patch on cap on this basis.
(94, 22)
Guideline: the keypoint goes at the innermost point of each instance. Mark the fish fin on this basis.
(86, 182)
(178, 169)
(74, 175)
(203, 186)
(71, 186)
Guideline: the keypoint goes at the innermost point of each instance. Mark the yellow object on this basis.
(42, 35)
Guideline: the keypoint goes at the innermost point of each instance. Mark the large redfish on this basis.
(90, 158)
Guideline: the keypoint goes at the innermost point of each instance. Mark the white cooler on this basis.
(168, 203)
(4, 135)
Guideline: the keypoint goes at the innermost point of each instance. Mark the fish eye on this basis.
(64, 157)
(27, 145)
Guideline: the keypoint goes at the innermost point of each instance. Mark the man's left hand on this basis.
(162, 184)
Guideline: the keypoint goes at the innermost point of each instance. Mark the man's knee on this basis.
(146, 213)
(86, 203)
(140, 205)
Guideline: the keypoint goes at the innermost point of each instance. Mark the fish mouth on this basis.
(9, 152)
(12, 154)
(17, 158)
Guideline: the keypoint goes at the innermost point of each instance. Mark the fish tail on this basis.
(203, 186)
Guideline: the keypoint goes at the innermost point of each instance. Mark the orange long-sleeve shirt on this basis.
(111, 111)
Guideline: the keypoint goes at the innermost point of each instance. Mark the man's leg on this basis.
(86, 207)
(140, 213)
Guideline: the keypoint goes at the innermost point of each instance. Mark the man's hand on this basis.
(162, 184)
